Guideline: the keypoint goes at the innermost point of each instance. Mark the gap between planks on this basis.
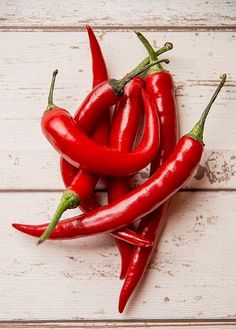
(122, 28)
(201, 323)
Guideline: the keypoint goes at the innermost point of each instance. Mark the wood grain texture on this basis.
(123, 14)
(192, 276)
(29, 162)
(191, 281)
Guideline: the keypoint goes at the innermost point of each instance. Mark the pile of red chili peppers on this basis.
(103, 140)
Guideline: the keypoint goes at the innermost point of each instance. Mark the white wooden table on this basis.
(192, 278)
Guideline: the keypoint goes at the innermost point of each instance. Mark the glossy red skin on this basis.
(125, 234)
(165, 182)
(98, 64)
(140, 257)
(97, 102)
(78, 180)
(77, 148)
(126, 121)
(160, 87)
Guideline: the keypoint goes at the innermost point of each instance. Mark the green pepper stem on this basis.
(167, 46)
(147, 45)
(69, 200)
(118, 85)
(51, 105)
(198, 129)
(151, 53)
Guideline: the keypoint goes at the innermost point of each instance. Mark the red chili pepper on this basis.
(74, 145)
(85, 183)
(164, 183)
(63, 132)
(79, 181)
(70, 199)
(160, 86)
(119, 185)
(126, 121)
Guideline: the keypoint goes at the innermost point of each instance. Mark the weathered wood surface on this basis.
(75, 14)
(192, 276)
(191, 281)
(27, 63)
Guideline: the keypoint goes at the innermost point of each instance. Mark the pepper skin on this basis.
(126, 121)
(125, 234)
(79, 181)
(168, 179)
(150, 141)
(165, 182)
(160, 86)
(76, 179)
(77, 148)
(84, 183)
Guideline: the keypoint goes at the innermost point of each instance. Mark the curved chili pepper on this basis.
(69, 138)
(85, 183)
(164, 183)
(78, 180)
(69, 171)
(81, 182)
(160, 86)
(126, 121)
(74, 145)
(101, 131)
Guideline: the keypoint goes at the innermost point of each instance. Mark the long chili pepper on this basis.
(164, 183)
(70, 132)
(86, 182)
(83, 182)
(79, 180)
(76, 147)
(160, 86)
(119, 186)
(126, 121)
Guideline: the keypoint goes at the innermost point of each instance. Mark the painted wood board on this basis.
(29, 162)
(75, 14)
(191, 277)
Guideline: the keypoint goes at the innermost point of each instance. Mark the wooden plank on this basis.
(191, 277)
(122, 324)
(28, 161)
(75, 14)
(33, 170)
